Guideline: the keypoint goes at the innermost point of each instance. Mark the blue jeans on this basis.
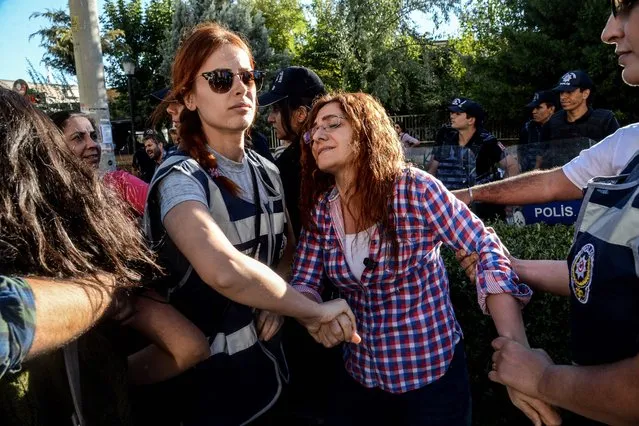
(445, 402)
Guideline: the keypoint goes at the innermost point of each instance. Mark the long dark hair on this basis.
(378, 163)
(56, 217)
(204, 40)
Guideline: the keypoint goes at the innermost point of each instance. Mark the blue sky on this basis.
(15, 28)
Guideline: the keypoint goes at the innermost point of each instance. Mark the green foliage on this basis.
(510, 48)
(506, 50)
(129, 29)
(242, 16)
(287, 26)
(354, 47)
(546, 318)
(183, 20)
(57, 40)
(141, 32)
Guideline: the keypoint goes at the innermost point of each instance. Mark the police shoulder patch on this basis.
(581, 273)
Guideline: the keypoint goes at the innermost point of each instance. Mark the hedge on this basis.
(546, 318)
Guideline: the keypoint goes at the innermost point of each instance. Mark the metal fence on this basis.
(424, 127)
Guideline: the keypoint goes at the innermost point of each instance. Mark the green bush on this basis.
(546, 318)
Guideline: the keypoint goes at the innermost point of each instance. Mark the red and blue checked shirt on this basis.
(402, 304)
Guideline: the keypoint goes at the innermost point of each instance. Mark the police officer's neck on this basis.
(577, 113)
(465, 135)
(229, 144)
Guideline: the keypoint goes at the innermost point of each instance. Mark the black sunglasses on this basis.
(620, 6)
(221, 81)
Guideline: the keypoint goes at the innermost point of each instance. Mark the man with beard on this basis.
(153, 147)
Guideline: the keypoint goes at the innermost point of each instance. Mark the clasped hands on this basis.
(330, 324)
(334, 324)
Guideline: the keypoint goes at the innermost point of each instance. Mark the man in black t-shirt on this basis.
(143, 165)
(578, 119)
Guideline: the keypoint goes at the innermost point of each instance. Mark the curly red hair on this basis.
(378, 162)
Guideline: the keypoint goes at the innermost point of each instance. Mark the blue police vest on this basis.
(604, 271)
(242, 378)
(469, 165)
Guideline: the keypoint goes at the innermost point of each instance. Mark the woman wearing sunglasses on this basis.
(217, 215)
(375, 227)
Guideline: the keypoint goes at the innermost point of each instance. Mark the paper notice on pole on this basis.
(105, 131)
(107, 160)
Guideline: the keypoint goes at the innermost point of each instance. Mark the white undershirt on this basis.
(356, 249)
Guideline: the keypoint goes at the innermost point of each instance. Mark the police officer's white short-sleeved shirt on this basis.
(606, 158)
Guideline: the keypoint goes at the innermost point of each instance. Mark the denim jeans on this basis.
(445, 402)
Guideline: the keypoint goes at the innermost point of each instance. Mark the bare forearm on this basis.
(550, 276)
(65, 310)
(607, 393)
(463, 195)
(506, 314)
(152, 365)
(528, 188)
(254, 284)
(177, 344)
(230, 272)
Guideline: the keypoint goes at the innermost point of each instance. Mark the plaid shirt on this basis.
(402, 304)
(17, 323)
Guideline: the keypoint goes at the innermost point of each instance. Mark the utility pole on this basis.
(129, 69)
(90, 74)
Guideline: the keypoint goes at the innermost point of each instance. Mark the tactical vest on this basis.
(465, 166)
(242, 378)
(604, 271)
(595, 124)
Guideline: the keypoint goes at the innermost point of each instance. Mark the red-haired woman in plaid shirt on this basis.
(375, 227)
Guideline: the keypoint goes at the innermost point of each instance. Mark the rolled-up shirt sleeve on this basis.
(459, 228)
(17, 323)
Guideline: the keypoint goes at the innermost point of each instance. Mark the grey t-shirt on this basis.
(177, 187)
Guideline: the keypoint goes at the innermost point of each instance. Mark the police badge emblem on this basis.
(567, 78)
(581, 273)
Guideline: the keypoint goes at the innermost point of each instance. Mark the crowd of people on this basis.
(222, 288)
